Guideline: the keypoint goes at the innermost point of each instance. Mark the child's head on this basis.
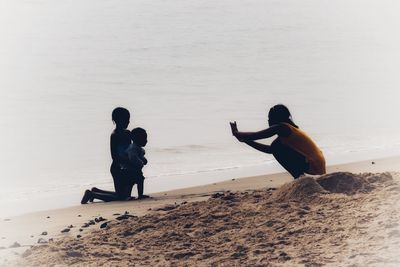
(278, 114)
(120, 117)
(139, 136)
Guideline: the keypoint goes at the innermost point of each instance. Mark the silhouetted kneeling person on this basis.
(119, 142)
(137, 159)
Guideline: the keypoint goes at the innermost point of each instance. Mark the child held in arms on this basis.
(137, 159)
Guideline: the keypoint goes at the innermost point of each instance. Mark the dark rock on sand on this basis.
(15, 245)
(42, 241)
(66, 230)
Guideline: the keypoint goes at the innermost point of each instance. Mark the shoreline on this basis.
(159, 185)
(28, 229)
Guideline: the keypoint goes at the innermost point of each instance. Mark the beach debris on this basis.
(229, 196)
(86, 225)
(126, 213)
(48, 217)
(44, 233)
(217, 195)
(184, 202)
(373, 162)
(116, 214)
(99, 219)
(42, 241)
(78, 236)
(79, 215)
(149, 209)
(15, 245)
(124, 217)
(233, 179)
(104, 225)
(167, 208)
(80, 230)
(66, 230)
(71, 226)
(91, 222)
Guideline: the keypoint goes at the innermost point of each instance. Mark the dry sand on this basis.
(338, 219)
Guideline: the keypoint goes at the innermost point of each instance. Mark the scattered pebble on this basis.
(66, 230)
(80, 230)
(15, 245)
(44, 233)
(373, 162)
(103, 225)
(78, 236)
(100, 219)
(71, 226)
(42, 241)
(233, 179)
(124, 217)
(116, 214)
(48, 217)
(79, 215)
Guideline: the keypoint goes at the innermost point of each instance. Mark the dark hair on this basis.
(120, 115)
(138, 134)
(280, 113)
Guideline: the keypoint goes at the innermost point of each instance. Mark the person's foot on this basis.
(143, 196)
(86, 197)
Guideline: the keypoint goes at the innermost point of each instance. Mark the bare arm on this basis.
(260, 147)
(278, 129)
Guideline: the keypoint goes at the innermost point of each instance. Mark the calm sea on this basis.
(185, 68)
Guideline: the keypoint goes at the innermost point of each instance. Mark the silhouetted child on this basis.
(119, 142)
(137, 159)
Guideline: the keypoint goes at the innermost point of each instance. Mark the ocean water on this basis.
(185, 69)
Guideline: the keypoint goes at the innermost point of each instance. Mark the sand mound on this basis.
(344, 182)
(378, 177)
(299, 190)
(307, 188)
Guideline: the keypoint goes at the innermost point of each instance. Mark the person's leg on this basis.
(294, 162)
(140, 187)
(121, 182)
(105, 197)
(97, 190)
(90, 196)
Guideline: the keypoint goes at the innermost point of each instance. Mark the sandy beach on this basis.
(342, 218)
